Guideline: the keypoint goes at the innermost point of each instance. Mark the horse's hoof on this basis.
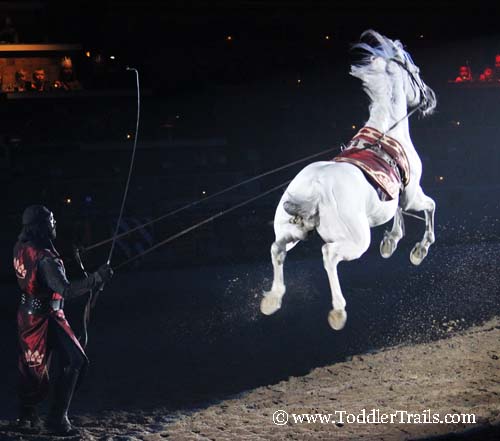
(270, 304)
(337, 318)
(387, 247)
(418, 254)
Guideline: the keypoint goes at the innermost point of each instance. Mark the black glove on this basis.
(105, 273)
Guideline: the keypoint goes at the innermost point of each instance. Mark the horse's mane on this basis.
(380, 46)
(383, 47)
(376, 82)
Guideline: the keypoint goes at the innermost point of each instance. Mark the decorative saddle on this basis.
(381, 158)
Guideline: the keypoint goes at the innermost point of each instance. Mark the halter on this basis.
(420, 86)
(417, 80)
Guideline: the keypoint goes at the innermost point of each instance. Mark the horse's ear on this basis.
(398, 46)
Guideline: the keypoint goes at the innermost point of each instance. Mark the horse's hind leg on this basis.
(272, 299)
(343, 250)
(424, 203)
(289, 230)
(331, 259)
(391, 238)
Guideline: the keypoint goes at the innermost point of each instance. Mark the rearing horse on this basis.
(339, 199)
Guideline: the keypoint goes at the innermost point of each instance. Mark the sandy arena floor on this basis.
(456, 375)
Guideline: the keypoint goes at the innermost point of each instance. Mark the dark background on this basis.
(182, 325)
(216, 111)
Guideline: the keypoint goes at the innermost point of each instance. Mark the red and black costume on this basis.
(42, 325)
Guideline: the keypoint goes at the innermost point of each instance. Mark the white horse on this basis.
(337, 200)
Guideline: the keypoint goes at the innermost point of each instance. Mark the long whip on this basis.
(132, 160)
(92, 298)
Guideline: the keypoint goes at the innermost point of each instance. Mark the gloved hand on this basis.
(105, 272)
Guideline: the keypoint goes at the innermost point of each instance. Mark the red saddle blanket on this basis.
(381, 158)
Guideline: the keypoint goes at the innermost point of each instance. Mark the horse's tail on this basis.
(304, 206)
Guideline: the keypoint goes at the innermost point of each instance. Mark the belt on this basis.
(33, 305)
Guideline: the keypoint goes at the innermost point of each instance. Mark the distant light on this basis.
(67, 201)
(229, 37)
(353, 126)
(87, 54)
(299, 81)
(129, 136)
(112, 57)
(458, 123)
(88, 199)
(421, 36)
(177, 116)
(203, 192)
(440, 178)
(327, 37)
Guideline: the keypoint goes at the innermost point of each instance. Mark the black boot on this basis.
(57, 420)
(28, 419)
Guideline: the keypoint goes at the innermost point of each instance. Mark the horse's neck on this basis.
(384, 118)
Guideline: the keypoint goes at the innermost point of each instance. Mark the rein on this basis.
(368, 146)
(410, 113)
(406, 213)
(189, 205)
(407, 116)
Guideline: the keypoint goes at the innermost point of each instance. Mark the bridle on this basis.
(421, 86)
(416, 80)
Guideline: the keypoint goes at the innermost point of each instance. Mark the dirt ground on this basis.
(459, 374)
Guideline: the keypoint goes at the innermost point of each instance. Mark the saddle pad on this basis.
(384, 176)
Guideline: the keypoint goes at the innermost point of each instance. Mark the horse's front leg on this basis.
(422, 202)
(272, 299)
(391, 238)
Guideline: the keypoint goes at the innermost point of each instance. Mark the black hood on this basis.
(35, 214)
(36, 226)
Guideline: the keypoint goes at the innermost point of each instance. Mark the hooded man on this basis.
(42, 326)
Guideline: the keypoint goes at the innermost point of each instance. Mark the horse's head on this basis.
(387, 64)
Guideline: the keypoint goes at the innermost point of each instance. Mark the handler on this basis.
(42, 327)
